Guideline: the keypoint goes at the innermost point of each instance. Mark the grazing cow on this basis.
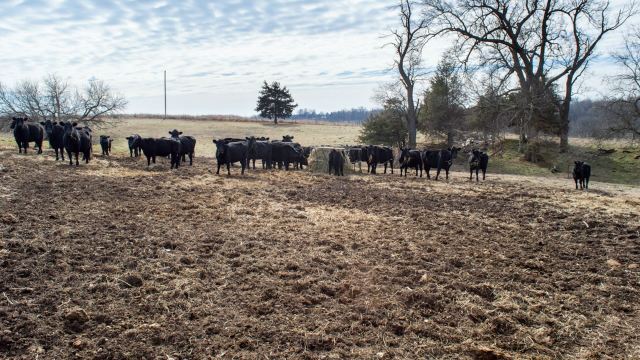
(478, 161)
(287, 138)
(336, 162)
(105, 144)
(187, 145)
(379, 155)
(262, 150)
(135, 146)
(581, 174)
(303, 156)
(410, 159)
(445, 160)
(231, 152)
(306, 152)
(77, 140)
(285, 153)
(163, 147)
(55, 133)
(24, 133)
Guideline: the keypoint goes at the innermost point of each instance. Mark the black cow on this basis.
(77, 140)
(262, 150)
(303, 155)
(287, 138)
(55, 133)
(24, 133)
(581, 174)
(187, 145)
(162, 147)
(358, 154)
(105, 144)
(336, 162)
(285, 154)
(410, 159)
(231, 152)
(445, 160)
(379, 155)
(478, 161)
(430, 160)
(135, 145)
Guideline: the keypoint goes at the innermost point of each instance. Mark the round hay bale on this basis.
(319, 160)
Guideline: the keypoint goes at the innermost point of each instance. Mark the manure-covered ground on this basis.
(116, 261)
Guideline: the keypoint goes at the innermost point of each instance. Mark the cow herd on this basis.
(73, 139)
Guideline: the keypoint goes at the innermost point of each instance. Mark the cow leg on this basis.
(39, 147)
(484, 173)
(77, 156)
(218, 171)
(191, 159)
(576, 181)
(385, 168)
(437, 174)
(470, 174)
(447, 172)
(56, 150)
(420, 166)
(391, 165)
(586, 183)
(477, 180)
(70, 157)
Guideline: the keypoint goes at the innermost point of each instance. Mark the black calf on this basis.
(410, 159)
(105, 144)
(135, 145)
(581, 174)
(478, 161)
(336, 162)
(55, 133)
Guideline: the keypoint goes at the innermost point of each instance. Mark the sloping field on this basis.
(114, 261)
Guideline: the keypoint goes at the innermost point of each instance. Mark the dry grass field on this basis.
(112, 260)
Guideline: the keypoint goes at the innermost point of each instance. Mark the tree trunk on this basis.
(450, 139)
(412, 121)
(275, 120)
(565, 107)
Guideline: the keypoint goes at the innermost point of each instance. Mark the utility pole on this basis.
(165, 94)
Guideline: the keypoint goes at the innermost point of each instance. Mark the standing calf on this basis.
(55, 133)
(336, 162)
(105, 144)
(478, 161)
(581, 174)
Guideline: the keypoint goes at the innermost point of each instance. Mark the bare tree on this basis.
(540, 43)
(55, 99)
(408, 42)
(625, 104)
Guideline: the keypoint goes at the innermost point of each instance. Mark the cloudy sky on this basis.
(216, 53)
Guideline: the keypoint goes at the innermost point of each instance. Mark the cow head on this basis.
(251, 143)
(287, 138)
(221, 147)
(48, 126)
(175, 133)
(18, 122)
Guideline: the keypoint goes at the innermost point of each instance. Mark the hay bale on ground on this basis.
(319, 160)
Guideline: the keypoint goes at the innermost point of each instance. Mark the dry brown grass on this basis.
(113, 260)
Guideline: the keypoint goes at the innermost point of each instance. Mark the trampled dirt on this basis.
(114, 261)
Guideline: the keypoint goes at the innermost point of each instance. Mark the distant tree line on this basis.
(355, 115)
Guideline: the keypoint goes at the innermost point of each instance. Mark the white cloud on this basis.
(216, 53)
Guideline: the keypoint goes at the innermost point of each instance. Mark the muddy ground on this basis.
(114, 261)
